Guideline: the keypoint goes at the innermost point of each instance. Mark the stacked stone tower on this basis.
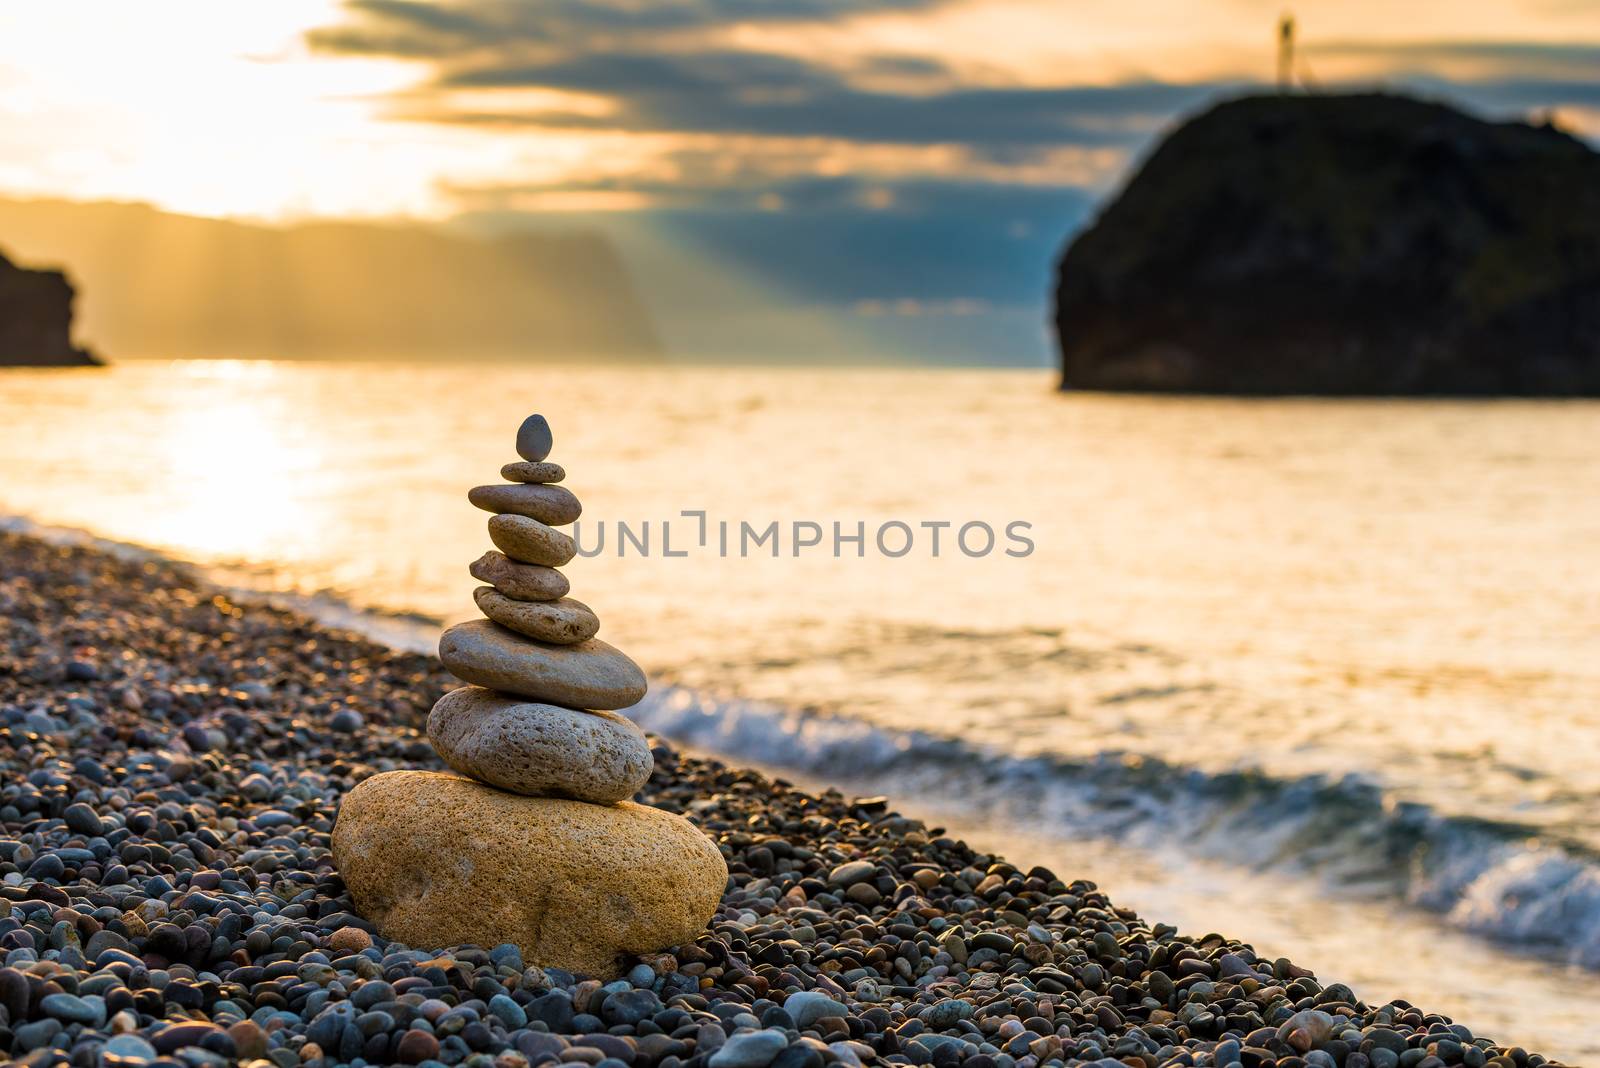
(534, 842)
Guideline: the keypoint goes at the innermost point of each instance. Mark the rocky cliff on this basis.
(1370, 244)
(36, 319)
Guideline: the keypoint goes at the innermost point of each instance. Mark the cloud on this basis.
(419, 28)
(911, 308)
(936, 240)
(1518, 94)
(1471, 61)
(678, 69)
(723, 176)
(751, 93)
(668, 67)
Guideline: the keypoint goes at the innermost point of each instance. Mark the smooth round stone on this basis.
(563, 622)
(526, 472)
(534, 440)
(530, 541)
(540, 750)
(589, 674)
(127, 1049)
(524, 582)
(749, 1049)
(435, 860)
(554, 505)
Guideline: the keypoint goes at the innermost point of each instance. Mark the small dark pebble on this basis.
(346, 721)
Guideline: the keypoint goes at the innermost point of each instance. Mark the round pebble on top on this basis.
(533, 439)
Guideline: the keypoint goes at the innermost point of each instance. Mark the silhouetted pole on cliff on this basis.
(1285, 53)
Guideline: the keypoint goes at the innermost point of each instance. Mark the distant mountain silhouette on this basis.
(1369, 244)
(156, 284)
(36, 319)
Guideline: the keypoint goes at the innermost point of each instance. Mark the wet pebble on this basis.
(753, 1049)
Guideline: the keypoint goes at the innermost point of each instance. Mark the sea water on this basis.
(1321, 674)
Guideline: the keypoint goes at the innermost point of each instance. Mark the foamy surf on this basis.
(1495, 880)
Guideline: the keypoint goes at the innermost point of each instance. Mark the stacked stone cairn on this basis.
(535, 842)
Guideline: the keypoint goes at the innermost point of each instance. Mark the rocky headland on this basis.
(172, 763)
(1363, 244)
(36, 319)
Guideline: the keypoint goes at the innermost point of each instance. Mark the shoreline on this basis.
(922, 768)
(174, 759)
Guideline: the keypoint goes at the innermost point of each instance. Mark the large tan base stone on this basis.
(435, 860)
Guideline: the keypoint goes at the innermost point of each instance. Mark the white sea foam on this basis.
(1495, 880)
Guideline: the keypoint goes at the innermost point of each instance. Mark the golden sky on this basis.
(312, 108)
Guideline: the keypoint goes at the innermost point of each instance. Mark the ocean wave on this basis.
(1498, 880)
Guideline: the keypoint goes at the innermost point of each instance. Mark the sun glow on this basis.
(219, 109)
(247, 499)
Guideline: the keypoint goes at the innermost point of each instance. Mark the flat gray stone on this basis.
(752, 1049)
(530, 541)
(851, 872)
(563, 622)
(589, 674)
(540, 750)
(526, 472)
(522, 582)
(534, 440)
(127, 1049)
(806, 1007)
(554, 505)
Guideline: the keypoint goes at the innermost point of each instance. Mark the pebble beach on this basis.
(172, 762)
